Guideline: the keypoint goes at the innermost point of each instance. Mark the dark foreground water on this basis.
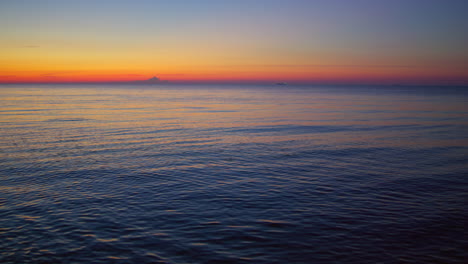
(193, 174)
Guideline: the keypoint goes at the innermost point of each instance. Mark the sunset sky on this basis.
(308, 41)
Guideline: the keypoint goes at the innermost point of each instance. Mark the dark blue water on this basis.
(247, 174)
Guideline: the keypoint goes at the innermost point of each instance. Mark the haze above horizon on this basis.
(422, 42)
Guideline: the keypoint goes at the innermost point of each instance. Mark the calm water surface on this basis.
(247, 174)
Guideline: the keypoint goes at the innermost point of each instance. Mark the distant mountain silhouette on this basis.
(153, 79)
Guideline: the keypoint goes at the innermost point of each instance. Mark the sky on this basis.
(297, 41)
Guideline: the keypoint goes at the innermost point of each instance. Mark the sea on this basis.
(174, 173)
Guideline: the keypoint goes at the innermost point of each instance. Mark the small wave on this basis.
(67, 119)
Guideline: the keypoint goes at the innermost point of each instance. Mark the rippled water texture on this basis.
(247, 174)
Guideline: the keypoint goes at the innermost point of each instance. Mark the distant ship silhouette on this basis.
(281, 83)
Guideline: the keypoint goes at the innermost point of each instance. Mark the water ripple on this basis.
(232, 176)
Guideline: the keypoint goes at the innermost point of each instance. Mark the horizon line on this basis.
(236, 82)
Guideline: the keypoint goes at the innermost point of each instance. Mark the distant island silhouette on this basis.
(153, 80)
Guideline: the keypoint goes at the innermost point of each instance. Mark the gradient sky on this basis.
(316, 41)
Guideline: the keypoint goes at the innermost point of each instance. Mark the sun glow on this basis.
(296, 42)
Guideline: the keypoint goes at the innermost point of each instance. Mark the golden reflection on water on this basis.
(41, 115)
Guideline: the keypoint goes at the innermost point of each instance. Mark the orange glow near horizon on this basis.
(82, 63)
(305, 74)
(261, 41)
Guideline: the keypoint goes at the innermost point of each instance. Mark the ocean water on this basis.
(233, 174)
